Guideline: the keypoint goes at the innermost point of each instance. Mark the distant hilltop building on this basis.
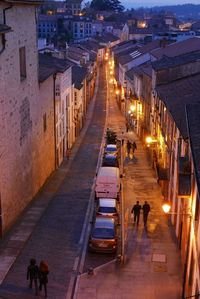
(74, 6)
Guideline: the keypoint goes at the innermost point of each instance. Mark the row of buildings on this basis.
(158, 89)
(70, 22)
(44, 96)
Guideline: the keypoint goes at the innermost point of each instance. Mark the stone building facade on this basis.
(25, 123)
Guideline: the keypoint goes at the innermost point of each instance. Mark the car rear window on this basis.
(107, 210)
(103, 233)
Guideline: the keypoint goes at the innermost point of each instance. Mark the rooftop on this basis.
(167, 62)
(144, 68)
(193, 123)
(49, 65)
(178, 48)
(78, 75)
(176, 95)
(108, 37)
(135, 52)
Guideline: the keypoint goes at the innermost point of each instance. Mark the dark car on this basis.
(111, 149)
(110, 160)
(103, 236)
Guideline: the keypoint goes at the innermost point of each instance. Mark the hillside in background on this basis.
(185, 11)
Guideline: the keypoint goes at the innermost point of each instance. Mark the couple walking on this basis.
(136, 211)
(34, 273)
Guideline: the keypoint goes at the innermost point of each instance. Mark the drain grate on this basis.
(161, 258)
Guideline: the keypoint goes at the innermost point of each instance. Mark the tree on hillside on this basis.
(111, 5)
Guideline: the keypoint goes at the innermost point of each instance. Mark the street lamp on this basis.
(166, 208)
(132, 108)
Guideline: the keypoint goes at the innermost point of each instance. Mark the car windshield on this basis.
(107, 209)
(111, 149)
(103, 233)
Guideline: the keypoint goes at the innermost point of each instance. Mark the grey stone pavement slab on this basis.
(152, 267)
(51, 226)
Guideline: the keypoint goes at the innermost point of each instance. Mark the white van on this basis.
(107, 183)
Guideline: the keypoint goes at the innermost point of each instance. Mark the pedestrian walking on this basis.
(128, 146)
(32, 274)
(134, 146)
(68, 153)
(43, 276)
(146, 209)
(127, 127)
(136, 211)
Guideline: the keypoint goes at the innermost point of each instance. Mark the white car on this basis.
(107, 207)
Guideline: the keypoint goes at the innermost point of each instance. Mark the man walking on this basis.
(134, 146)
(146, 209)
(136, 211)
(128, 145)
(32, 274)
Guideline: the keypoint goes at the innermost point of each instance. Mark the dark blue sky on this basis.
(149, 3)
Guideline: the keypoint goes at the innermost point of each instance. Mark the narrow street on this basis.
(152, 267)
(58, 211)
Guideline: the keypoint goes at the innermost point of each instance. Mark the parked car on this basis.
(107, 207)
(111, 149)
(103, 237)
(110, 160)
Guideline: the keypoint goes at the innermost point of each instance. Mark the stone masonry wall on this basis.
(26, 151)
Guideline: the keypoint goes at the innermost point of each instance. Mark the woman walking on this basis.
(43, 276)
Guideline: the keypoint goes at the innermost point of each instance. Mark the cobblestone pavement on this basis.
(54, 221)
(152, 268)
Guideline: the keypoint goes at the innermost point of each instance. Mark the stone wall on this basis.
(26, 156)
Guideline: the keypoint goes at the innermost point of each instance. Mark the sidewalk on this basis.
(152, 268)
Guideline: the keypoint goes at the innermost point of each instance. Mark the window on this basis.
(44, 122)
(75, 98)
(22, 63)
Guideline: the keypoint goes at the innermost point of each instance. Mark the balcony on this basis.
(184, 177)
(162, 173)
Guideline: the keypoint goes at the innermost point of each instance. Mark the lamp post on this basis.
(122, 200)
(166, 208)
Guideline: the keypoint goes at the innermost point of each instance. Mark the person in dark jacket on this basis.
(43, 276)
(136, 211)
(32, 275)
(146, 209)
(128, 146)
(134, 146)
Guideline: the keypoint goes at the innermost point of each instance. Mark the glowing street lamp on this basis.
(117, 92)
(132, 108)
(150, 140)
(111, 81)
(166, 207)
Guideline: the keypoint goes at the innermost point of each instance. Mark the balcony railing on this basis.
(184, 177)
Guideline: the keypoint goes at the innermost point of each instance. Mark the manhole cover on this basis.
(160, 268)
(156, 257)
